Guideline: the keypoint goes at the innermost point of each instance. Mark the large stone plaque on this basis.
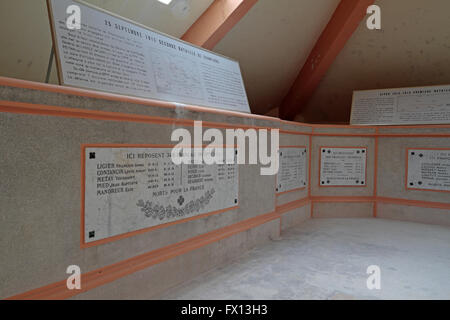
(407, 106)
(292, 171)
(343, 166)
(428, 169)
(133, 188)
(110, 53)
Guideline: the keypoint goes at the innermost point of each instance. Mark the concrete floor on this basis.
(328, 259)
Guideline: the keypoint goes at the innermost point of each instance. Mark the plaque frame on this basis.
(59, 69)
(84, 245)
(308, 172)
(366, 185)
(406, 169)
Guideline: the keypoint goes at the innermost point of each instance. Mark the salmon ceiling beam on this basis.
(217, 21)
(343, 23)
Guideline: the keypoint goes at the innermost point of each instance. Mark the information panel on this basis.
(428, 169)
(112, 54)
(292, 172)
(128, 189)
(407, 106)
(342, 166)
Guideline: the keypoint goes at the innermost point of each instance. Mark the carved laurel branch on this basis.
(155, 211)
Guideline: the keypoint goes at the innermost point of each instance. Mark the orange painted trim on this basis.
(413, 135)
(406, 169)
(416, 126)
(217, 21)
(101, 276)
(84, 244)
(275, 183)
(414, 203)
(339, 199)
(310, 162)
(28, 108)
(71, 112)
(83, 198)
(293, 147)
(121, 269)
(327, 134)
(24, 84)
(342, 147)
(280, 210)
(276, 176)
(399, 201)
(290, 191)
(298, 133)
(56, 111)
(341, 126)
(375, 175)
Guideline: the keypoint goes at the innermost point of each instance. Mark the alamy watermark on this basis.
(189, 150)
(73, 21)
(374, 280)
(74, 280)
(374, 20)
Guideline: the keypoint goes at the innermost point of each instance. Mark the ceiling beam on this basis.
(217, 21)
(340, 28)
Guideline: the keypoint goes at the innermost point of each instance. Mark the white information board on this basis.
(292, 172)
(342, 166)
(406, 106)
(428, 169)
(129, 189)
(113, 54)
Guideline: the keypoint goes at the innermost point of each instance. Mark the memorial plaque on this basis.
(292, 171)
(110, 53)
(428, 169)
(343, 166)
(129, 189)
(419, 105)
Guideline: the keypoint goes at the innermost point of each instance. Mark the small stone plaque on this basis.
(292, 171)
(342, 166)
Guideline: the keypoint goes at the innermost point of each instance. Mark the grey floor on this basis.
(328, 259)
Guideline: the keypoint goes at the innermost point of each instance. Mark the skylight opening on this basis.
(166, 2)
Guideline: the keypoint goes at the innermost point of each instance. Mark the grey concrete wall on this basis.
(151, 282)
(41, 185)
(392, 167)
(414, 214)
(40, 193)
(295, 217)
(343, 210)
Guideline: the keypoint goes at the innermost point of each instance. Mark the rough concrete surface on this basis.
(328, 259)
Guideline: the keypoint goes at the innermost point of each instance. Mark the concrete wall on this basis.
(40, 194)
(384, 195)
(43, 128)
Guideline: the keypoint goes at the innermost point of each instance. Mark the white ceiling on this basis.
(411, 49)
(272, 43)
